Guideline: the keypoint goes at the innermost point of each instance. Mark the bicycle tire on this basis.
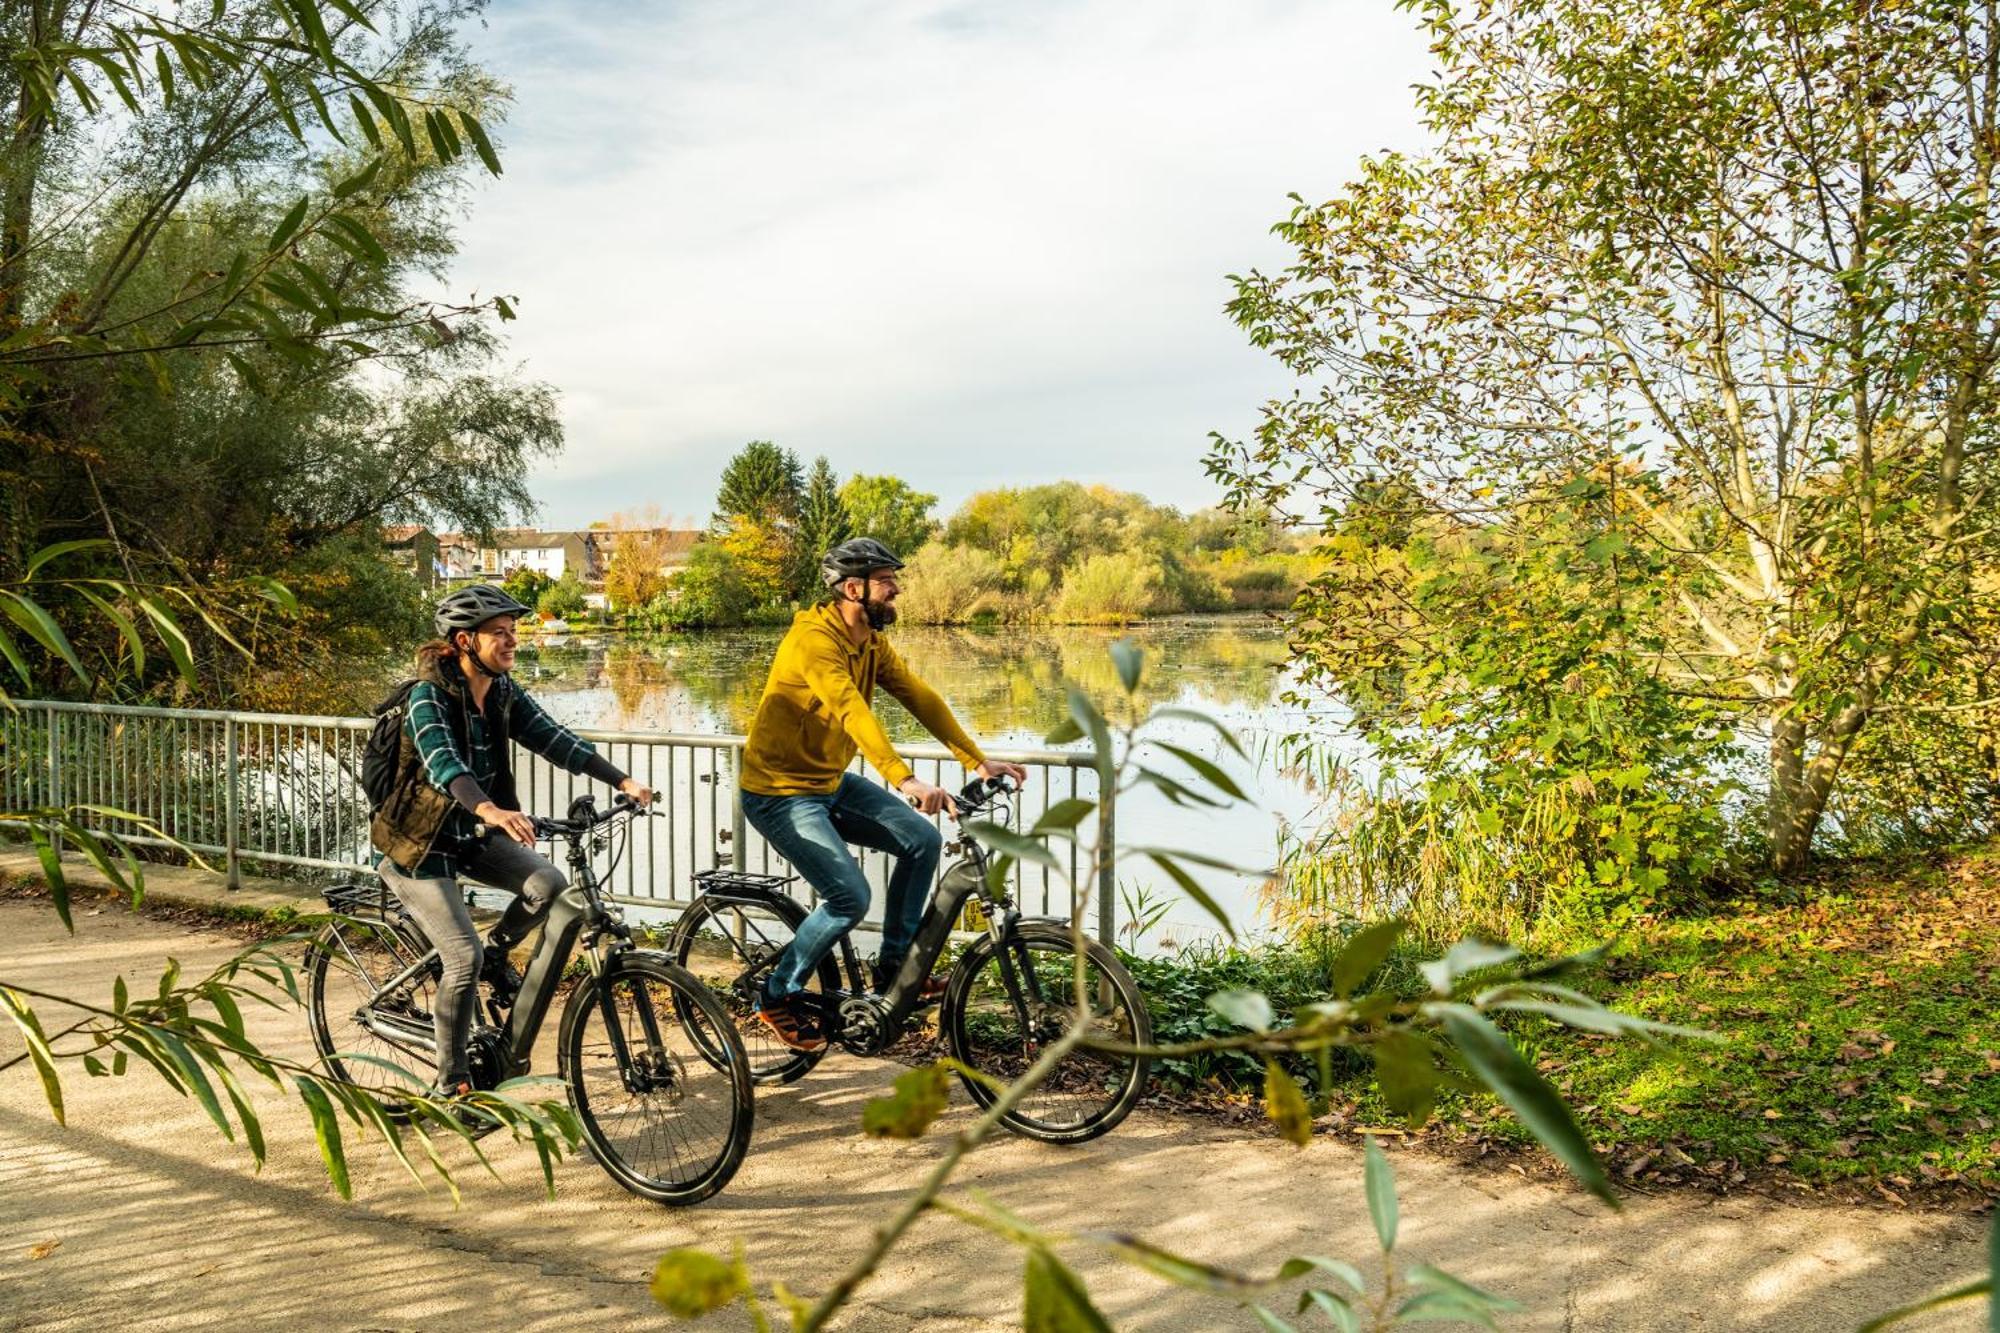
(1089, 1093)
(339, 957)
(771, 1061)
(685, 1141)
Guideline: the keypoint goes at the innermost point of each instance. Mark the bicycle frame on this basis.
(962, 880)
(578, 912)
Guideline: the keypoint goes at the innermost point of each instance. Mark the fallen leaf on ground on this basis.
(44, 1249)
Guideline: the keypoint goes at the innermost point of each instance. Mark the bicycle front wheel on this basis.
(1003, 1007)
(658, 1079)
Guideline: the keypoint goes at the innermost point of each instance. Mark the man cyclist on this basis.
(816, 711)
(454, 773)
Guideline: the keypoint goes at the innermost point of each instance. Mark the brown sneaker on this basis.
(795, 1025)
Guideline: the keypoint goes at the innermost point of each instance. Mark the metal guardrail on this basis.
(277, 790)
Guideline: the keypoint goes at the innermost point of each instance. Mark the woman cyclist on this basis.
(454, 774)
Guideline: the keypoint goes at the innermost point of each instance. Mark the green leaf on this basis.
(1019, 845)
(1340, 1268)
(196, 1079)
(1490, 1056)
(1085, 714)
(171, 635)
(305, 16)
(482, 146)
(1125, 655)
(1054, 1300)
(1064, 814)
(360, 180)
(1437, 1277)
(52, 871)
(1209, 771)
(1380, 1185)
(1362, 954)
(39, 1053)
(289, 224)
(1065, 732)
(278, 100)
(57, 551)
(1194, 715)
(1285, 1104)
(434, 131)
(12, 652)
(1971, 1291)
(1192, 888)
(919, 1097)
(691, 1283)
(1245, 1008)
(1442, 1307)
(326, 1129)
(356, 239)
(366, 121)
(43, 629)
(1334, 1306)
(1465, 956)
(1406, 1075)
(1270, 1322)
(126, 629)
(1174, 1268)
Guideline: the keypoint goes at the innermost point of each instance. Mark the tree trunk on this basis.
(1790, 818)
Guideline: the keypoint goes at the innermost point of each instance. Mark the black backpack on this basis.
(385, 746)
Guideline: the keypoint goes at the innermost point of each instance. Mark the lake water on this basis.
(1007, 687)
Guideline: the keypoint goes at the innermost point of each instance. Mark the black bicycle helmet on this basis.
(470, 607)
(856, 558)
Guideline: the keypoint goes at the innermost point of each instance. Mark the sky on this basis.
(973, 245)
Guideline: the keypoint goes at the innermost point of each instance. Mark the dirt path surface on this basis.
(160, 1224)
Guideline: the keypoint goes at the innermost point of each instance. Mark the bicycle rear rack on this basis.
(722, 880)
(354, 899)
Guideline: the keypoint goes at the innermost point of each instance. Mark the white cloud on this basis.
(975, 245)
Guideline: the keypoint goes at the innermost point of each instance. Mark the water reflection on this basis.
(1005, 684)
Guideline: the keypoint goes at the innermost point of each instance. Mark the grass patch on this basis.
(1858, 1038)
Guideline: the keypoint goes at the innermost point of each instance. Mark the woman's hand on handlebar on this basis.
(928, 799)
(994, 769)
(637, 790)
(510, 822)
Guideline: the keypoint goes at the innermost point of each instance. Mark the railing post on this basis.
(54, 794)
(232, 813)
(1107, 870)
(738, 825)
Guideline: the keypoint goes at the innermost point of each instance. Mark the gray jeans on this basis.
(439, 909)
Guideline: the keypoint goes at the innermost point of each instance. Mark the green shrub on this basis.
(950, 585)
(563, 599)
(1108, 589)
(710, 590)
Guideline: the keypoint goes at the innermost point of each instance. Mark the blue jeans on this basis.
(812, 832)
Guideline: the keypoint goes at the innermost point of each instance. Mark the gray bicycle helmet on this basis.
(856, 558)
(470, 607)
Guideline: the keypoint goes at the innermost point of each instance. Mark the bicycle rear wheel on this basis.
(346, 968)
(1000, 1030)
(732, 946)
(666, 1115)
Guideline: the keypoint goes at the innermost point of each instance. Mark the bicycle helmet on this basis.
(856, 558)
(470, 607)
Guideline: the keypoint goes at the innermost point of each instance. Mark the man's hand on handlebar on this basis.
(928, 799)
(513, 823)
(1000, 768)
(637, 790)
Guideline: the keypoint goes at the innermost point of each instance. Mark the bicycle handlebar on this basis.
(555, 828)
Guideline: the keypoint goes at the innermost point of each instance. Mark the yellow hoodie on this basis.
(817, 710)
